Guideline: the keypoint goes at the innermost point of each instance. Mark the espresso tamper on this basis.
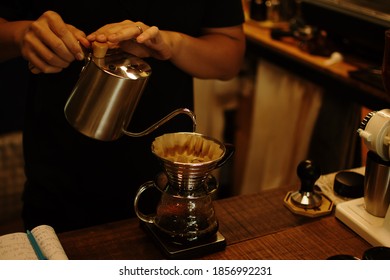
(308, 173)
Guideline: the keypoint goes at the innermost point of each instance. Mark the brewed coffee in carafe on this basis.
(185, 216)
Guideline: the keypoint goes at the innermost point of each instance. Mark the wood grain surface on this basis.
(255, 226)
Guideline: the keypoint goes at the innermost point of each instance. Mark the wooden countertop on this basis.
(366, 94)
(255, 226)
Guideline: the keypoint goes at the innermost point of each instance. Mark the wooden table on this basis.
(255, 227)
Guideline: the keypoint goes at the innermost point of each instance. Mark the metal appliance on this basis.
(369, 216)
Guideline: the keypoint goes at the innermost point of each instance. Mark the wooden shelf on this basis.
(334, 77)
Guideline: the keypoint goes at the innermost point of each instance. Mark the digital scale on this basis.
(174, 251)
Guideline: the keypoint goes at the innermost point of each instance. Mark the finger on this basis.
(81, 40)
(148, 34)
(127, 32)
(40, 51)
(37, 65)
(102, 33)
(65, 43)
(56, 35)
(140, 29)
(85, 43)
(33, 69)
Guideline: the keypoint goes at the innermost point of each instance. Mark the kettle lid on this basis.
(123, 65)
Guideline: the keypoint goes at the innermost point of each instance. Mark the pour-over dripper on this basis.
(185, 213)
(188, 158)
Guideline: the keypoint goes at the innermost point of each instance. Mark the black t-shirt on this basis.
(72, 180)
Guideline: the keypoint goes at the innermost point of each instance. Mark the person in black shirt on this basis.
(74, 181)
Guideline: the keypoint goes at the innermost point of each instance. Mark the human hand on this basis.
(136, 38)
(50, 45)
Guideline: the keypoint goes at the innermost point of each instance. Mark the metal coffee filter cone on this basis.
(187, 157)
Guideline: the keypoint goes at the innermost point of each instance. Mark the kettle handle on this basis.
(162, 121)
(143, 217)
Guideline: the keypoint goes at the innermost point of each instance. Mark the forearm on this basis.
(211, 56)
(10, 34)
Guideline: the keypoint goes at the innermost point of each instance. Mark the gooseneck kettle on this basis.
(106, 95)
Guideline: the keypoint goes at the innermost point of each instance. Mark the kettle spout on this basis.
(162, 121)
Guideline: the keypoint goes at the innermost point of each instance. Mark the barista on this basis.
(74, 181)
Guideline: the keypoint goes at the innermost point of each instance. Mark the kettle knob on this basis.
(99, 50)
(308, 173)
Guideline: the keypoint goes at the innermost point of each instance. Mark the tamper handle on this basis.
(308, 172)
(306, 197)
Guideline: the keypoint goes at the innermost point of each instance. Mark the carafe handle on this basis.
(230, 149)
(143, 217)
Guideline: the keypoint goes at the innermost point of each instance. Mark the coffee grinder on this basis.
(369, 216)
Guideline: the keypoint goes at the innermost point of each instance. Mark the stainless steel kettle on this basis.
(106, 95)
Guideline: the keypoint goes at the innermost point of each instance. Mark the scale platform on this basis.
(174, 251)
(374, 230)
